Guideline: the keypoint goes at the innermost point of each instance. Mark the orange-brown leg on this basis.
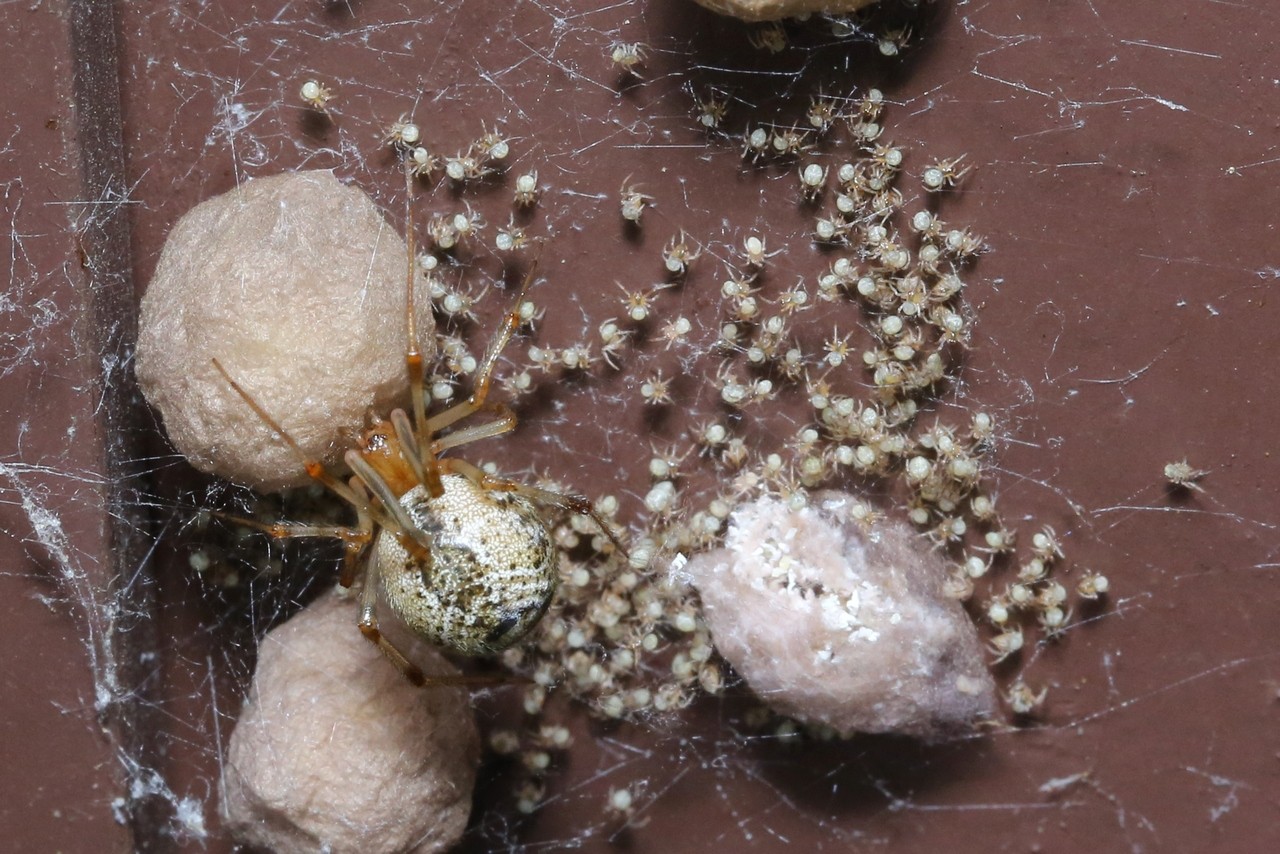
(421, 457)
(413, 348)
(484, 377)
(505, 422)
(314, 468)
(354, 540)
(368, 624)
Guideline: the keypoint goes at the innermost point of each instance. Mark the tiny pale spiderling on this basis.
(526, 192)
(403, 134)
(633, 201)
(628, 57)
(1182, 475)
(315, 95)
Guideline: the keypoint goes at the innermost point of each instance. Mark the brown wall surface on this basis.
(1124, 163)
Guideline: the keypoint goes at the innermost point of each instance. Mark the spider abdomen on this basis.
(491, 574)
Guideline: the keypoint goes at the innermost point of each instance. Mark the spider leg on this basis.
(315, 469)
(354, 540)
(563, 501)
(420, 456)
(388, 513)
(413, 350)
(394, 518)
(353, 493)
(289, 530)
(356, 493)
(484, 377)
(368, 624)
(352, 566)
(504, 423)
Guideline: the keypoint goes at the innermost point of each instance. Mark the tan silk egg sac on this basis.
(295, 283)
(837, 625)
(336, 751)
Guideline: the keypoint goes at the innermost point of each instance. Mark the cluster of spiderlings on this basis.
(1035, 598)
(449, 232)
(910, 299)
(773, 142)
(761, 353)
(453, 237)
(621, 636)
(536, 750)
(781, 142)
(482, 158)
(905, 270)
(455, 311)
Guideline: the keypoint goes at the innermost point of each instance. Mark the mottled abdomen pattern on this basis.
(492, 571)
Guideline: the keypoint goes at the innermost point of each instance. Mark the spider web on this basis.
(1121, 323)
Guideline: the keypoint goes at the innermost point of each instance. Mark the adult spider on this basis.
(463, 558)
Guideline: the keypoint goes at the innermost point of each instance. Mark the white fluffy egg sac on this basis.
(833, 624)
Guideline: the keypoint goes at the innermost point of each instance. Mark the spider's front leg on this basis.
(484, 378)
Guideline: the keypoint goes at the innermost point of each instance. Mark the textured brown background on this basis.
(1125, 160)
